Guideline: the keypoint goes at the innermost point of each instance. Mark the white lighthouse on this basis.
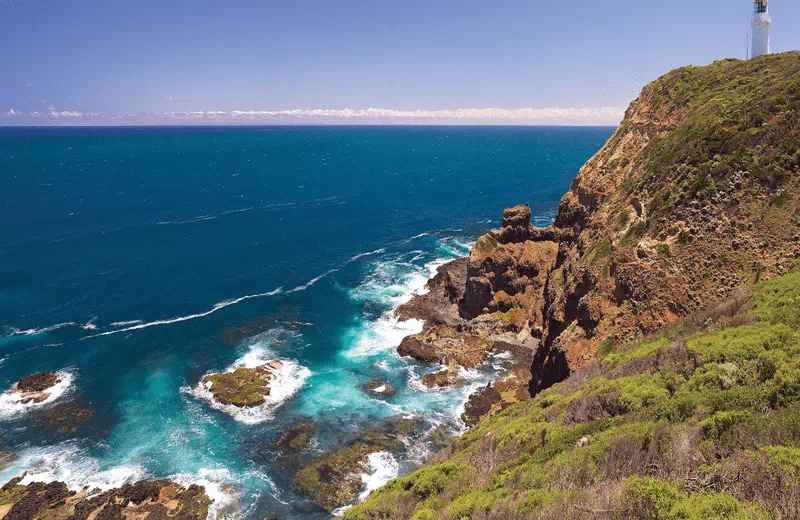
(761, 28)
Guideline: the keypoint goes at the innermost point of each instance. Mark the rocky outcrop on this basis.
(144, 500)
(379, 387)
(335, 480)
(489, 302)
(244, 387)
(34, 388)
(695, 195)
(442, 378)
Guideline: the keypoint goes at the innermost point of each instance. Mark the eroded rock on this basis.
(144, 500)
(34, 388)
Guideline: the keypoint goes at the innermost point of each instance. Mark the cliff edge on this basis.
(660, 315)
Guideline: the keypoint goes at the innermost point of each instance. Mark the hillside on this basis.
(693, 201)
(700, 421)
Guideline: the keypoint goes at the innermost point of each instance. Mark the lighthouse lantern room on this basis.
(761, 28)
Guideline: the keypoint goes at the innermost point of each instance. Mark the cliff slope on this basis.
(695, 195)
(692, 200)
(700, 421)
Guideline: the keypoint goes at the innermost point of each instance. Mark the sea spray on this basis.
(11, 401)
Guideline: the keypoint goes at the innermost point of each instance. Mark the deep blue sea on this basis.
(134, 261)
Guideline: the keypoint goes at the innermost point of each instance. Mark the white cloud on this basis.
(476, 115)
(605, 115)
(51, 108)
(67, 113)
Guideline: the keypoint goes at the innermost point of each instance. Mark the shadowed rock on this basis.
(37, 382)
(296, 438)
(66, 419)
(144, 500)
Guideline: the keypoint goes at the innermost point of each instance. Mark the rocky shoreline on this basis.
(487, 303)
(151, 500)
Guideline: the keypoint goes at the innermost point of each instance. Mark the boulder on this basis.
(379, 387)
(416, 347)
(442, 378)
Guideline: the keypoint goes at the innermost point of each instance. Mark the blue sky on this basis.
(109, 61)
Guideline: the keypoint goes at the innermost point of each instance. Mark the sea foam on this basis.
(68, 463)
(11, 400)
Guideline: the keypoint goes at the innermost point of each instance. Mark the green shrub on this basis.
(778, 300)
(471, 501)
(536, 499)
(717, 506)
(721, 422)
(650, 498)
(785, 459)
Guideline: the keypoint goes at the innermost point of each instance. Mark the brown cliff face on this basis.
(695, 195)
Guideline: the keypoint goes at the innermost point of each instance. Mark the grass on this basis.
(701, 421)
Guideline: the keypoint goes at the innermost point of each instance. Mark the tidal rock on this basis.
(153, 500)
(244, 387)
(297, 437)
(442, 378)
(66, 419)
(335, 481)
(379, 387)
(401, 425)
(37, 382)
(34, 388)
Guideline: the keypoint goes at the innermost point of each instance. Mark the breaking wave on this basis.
(11, 400)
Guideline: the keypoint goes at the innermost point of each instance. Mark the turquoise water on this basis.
(135, 261)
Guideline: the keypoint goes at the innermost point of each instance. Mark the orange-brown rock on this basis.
(696, 194)
(442, 378)
(34, 388)
(144, 500)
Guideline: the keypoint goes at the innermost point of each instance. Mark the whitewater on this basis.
(134, 262)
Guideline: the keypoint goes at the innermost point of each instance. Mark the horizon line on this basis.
(553, 116)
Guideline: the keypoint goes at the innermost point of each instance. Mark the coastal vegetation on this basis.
(699, 421)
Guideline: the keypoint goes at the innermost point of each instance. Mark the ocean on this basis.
(136, 260)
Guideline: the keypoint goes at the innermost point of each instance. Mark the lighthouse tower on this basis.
(761, 28)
